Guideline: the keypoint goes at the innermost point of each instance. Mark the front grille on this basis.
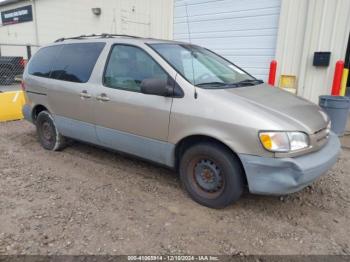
(320, 137)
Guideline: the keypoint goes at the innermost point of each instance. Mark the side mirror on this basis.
(158, 87)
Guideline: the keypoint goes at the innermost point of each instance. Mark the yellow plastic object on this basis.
(344, 81)
(11, 104)
(288, 82)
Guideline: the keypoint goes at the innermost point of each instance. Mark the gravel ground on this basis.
(86, 200)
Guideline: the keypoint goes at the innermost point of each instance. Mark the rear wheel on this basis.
(212, 175)
(49, 137)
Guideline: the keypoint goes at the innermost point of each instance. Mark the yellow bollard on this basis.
(344, 81)
(11, 104)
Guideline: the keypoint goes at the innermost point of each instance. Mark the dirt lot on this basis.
(86, 200)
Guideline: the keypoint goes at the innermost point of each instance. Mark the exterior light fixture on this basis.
(96, 11)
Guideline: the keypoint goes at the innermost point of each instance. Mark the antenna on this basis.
(190, 40)
(188, 25)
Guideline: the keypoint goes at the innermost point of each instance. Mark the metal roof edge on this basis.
(8, 2)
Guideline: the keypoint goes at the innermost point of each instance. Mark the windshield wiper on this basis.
(252, 82)
(212, 84)
(247, 82)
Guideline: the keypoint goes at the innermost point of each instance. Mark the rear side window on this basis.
(42, 62)
(69, 62)
(76, 62)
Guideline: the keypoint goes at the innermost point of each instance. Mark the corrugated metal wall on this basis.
(306, 27)
(244, 31)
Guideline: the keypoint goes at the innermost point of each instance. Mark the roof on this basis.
(7, 2)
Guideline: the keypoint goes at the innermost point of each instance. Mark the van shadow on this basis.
(112, 158)
(280, 207)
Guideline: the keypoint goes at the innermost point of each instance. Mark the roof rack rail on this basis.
(121, 35)
(104, 35)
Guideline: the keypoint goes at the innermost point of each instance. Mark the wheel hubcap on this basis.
(208, 176)
(47, 131)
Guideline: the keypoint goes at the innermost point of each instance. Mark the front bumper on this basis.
(279, 176)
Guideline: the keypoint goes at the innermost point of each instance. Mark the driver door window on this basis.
(128, 66)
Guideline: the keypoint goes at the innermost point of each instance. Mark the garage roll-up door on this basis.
(243, 31)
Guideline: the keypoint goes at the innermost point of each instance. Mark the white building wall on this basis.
(17, 33)
(23, 33)
(306, 27)
(64, 18)
(148, 18)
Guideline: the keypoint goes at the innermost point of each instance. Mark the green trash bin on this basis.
(337, 108)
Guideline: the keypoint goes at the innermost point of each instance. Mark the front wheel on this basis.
(211, 174)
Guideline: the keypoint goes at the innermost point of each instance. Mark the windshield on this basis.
(202, 67)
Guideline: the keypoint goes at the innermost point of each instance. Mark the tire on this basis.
(6, 76)
(212, 175)
(48, 135)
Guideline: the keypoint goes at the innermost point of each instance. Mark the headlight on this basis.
(284, 141)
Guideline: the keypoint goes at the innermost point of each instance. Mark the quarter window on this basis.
(42, 62)
(67, 62)
(128, 66)
(76, 62)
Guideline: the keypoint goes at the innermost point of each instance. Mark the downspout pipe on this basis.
(35, 24)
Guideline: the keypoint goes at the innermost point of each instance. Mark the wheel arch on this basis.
(191, 140)
(36, 110)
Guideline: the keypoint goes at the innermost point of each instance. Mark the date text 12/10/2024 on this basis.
(172, 258)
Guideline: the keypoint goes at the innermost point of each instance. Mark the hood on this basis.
(288, 107)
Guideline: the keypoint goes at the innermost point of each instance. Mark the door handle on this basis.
(84, 94)
(103, 97)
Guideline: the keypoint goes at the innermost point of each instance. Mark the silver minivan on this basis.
(182, 106)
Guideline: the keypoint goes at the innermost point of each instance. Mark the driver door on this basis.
(128, 120)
